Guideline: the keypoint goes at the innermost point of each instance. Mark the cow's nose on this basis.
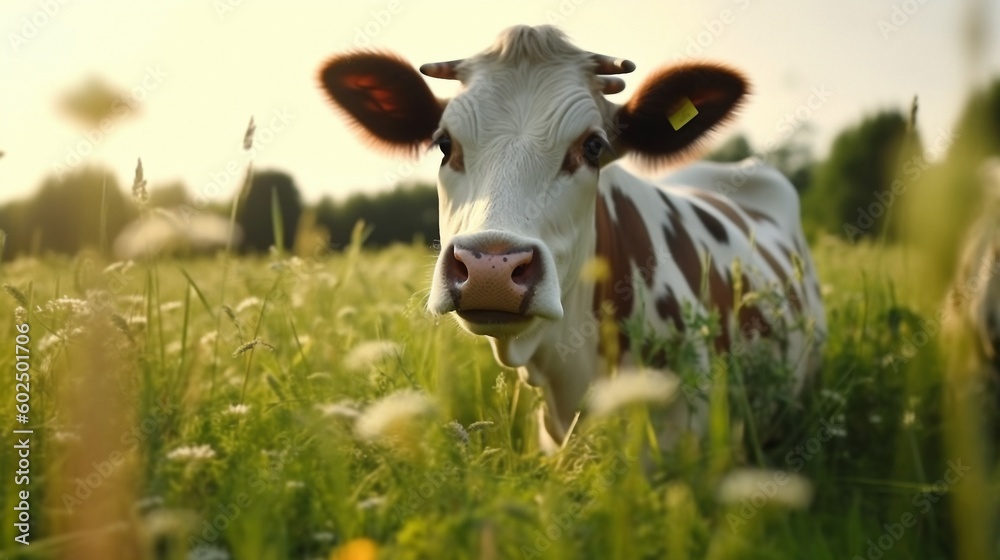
(495, 280)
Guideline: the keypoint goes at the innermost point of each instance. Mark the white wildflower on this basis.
(761, 486)
(831, 395)
(909, 418)
(324, 537)
(139, 320)
(69, 305)
(370, 353)
(170, 306)
(207, 552)
(120, 266)
(347, 312)
(172, 230)
(392, 418)
(63, 436)
(247, 303)
(148, 503)
(237, 409)
(161, 523)
(48, 341)
(295, 485)
(208, 338)
(632, 387)
(192, 453)
(20, 314)
(133, 299)
(344, 409)
(371, 503)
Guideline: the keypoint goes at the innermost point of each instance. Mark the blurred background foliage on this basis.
(848, 193)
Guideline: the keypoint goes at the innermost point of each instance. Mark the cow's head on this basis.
(522, 146)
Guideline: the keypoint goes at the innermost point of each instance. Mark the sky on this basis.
(196, 71)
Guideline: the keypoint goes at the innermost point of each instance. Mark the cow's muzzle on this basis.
(492, 286)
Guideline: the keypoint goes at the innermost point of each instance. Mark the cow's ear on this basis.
(674, 108)
(384, 97)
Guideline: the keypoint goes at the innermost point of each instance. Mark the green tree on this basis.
(169, 195)
(736, 148)
(794, 158)
(856, 190)
(255, 212)
(69, 211)
(401, 215)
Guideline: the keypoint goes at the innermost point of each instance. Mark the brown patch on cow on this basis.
(720, 294)
(727, 209)
(634, 235)
(791, 292)
(622, 244)
(712, 224)
(669, 308)
(788, 288)
(758, 216)
(772, 262)
(684, 252)
(751, 320)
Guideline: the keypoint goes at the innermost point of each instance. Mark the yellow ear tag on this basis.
(683, 114)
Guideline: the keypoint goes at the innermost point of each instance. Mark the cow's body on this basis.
(658, 237)
(529, 198)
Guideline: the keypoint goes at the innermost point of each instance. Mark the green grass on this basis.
(119, 385)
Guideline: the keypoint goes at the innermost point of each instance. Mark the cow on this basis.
(973, 302)
(531, 196)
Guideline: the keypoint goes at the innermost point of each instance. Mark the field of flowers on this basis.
(308, 407)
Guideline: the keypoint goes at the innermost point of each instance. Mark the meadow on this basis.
(308, 407)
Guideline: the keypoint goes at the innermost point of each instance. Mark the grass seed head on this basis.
(395, 419)
(631, 387)
(16, 294)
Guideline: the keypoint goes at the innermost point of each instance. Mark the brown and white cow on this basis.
(529, 194)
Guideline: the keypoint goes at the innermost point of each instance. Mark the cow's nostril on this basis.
(520, 273)
(457, 271)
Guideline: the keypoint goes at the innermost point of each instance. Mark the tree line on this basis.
(852, 192)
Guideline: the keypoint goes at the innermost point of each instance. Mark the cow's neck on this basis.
(564, 360)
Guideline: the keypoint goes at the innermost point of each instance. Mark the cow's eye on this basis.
(443, 142)
(593, 147)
